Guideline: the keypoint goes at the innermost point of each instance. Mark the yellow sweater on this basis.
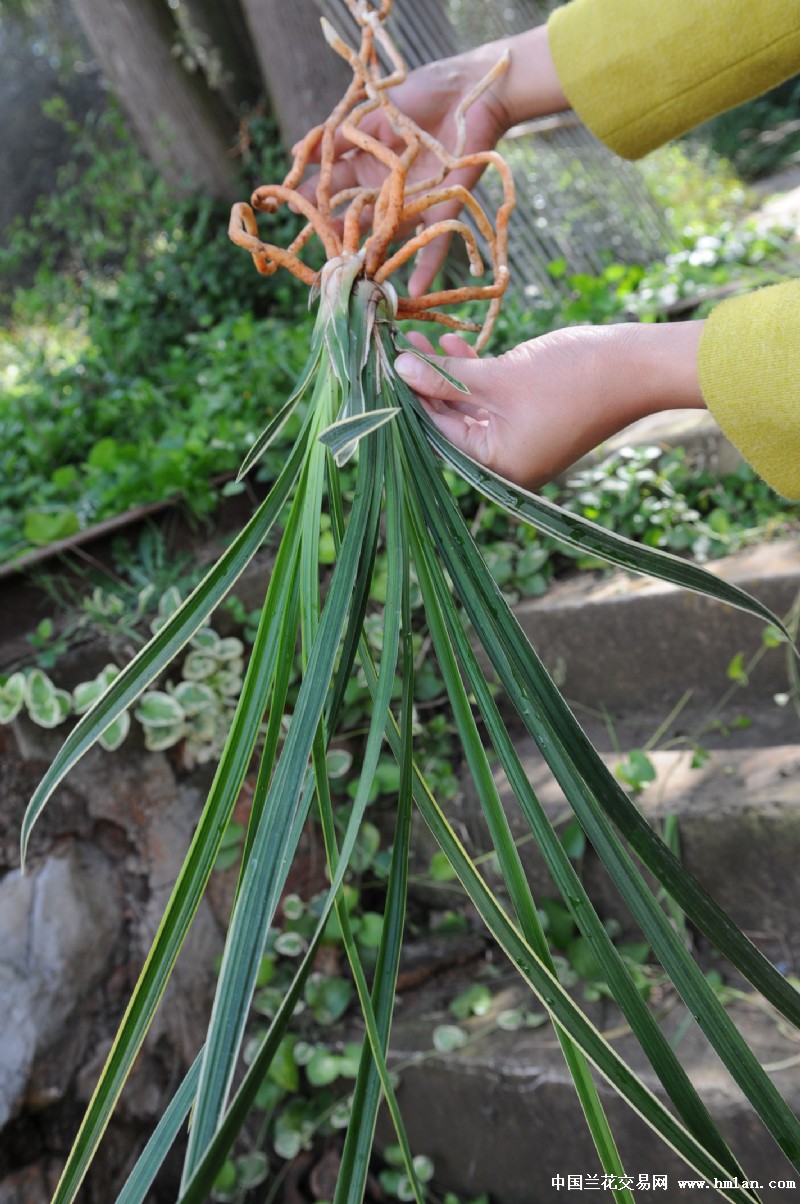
(639, 72)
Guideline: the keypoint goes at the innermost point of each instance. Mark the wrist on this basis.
(656, 367)
(529, 87)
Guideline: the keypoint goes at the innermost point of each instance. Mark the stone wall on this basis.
(74, 932)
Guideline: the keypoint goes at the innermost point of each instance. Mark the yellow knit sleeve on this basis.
(640, 72)
(749, 365)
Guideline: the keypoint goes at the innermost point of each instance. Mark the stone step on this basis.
(629, 643)
(500, 1115)
(738, 818)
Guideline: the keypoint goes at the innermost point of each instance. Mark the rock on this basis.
(738, 819)
(58, 929)
(501, 1116)
(627, 643)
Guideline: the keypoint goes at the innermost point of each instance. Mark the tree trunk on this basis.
(181, 124)
(303, 76)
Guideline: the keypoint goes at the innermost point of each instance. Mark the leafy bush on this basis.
(141, 359)
(763, 136)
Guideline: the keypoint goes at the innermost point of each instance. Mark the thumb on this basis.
(424, 379)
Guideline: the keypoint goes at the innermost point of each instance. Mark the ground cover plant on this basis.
(360, 410)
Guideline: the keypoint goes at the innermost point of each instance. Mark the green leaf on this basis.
(283, 1069)
(41, 528)
(343, 437)
(590, 789)
(440, 868)
(322, 1069)
(192, 697)
(140, 1180)
(268, 863)
(736, 670)
(637, 770)
(12, 697)
(201, 857)
(156, 655)
(116, 732)
(476, 1000)
(448, 1037)
(158, 709)
(577, 532)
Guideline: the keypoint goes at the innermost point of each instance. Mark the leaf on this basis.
(268, 862)
(12, 697)
(343, 437)
(736, 670)
(448, 1037)
(158, 709)
(41, 528)
(591, 790)
(156, 655)
(577, 532)
(158, 739)
(116, 732)
(192, 697)
(284, 413)
(476, 1000)
(404, 344)
(322, 1069)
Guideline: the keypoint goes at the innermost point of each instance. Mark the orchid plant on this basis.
(354, 406)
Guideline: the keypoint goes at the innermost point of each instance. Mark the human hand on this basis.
(430, 97)
(538, 408)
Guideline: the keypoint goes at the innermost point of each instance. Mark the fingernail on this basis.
(410, 368)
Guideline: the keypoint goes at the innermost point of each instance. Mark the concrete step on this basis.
(739, 824)
(738, 818)
(500, 1114)
(630, 644)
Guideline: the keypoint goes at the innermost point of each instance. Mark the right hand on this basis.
(429, 96)
(533, 411)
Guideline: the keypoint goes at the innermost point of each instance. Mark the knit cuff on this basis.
(749, 366)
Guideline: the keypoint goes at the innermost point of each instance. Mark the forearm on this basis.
(654, 367)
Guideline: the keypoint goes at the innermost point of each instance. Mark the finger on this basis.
(469, 434)
(373, 124)
(428, 262)
(453, 345)
(344, 175)
(426, 381)
(417, 338)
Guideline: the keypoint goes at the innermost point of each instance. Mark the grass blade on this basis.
(191, 882)
(437, 603)
(198, 1188)
(148, 1164)
(548, 719)
(284, 413)
(549, 990)
(260, 886)
(164, 647)
(659, 1051)
(578, 532)
(342, 438)
(698, 905)
(372, 1070)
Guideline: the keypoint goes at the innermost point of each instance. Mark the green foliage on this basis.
(195, 711)
(400, 490)
(142, 357)
(761, 137)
